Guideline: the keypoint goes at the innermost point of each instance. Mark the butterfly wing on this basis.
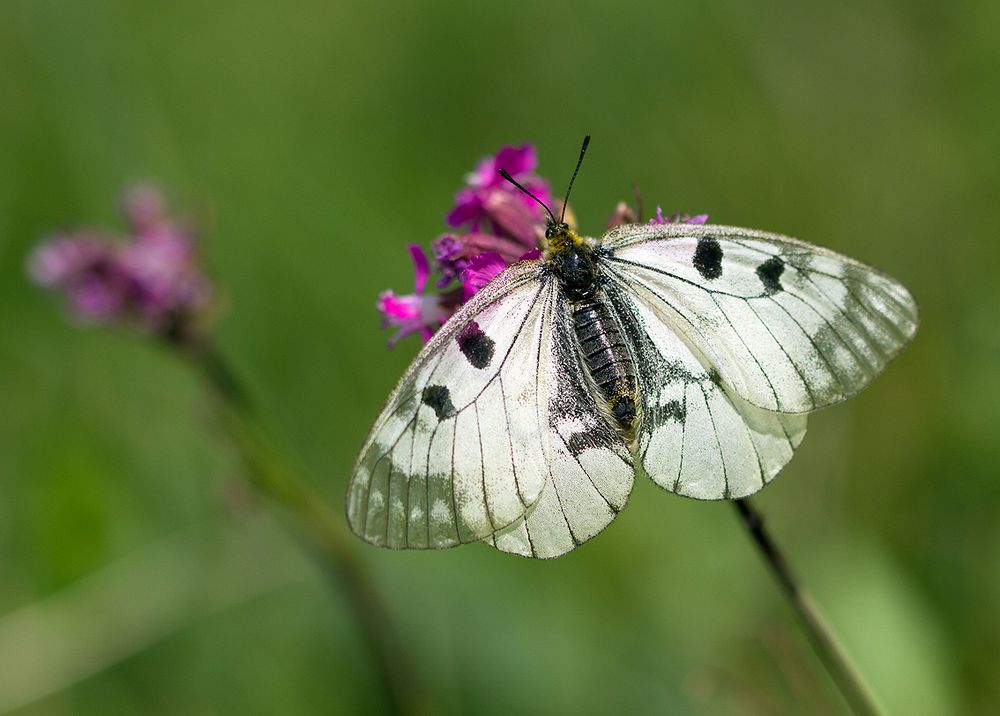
(590, 469)
(790, 327)
(739, 333)
(477, 441)
(695, 437)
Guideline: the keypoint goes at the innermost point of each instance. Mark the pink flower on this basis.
(55, 262)
(625, 214)
(450, 255)
(418, 312)
(152, 281)
(490, 204)
(496, 225)
(678, 218)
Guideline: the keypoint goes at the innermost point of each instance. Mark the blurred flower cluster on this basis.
(493, 224)
(151, 281)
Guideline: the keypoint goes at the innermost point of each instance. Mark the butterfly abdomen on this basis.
(607, 358)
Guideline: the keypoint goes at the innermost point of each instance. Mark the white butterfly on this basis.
(689, 353)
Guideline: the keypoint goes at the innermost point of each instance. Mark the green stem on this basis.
(821, 638)
(273, 474)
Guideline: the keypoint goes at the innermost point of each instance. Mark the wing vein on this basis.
(718, 442)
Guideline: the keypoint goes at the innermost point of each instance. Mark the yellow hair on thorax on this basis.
(562, 240)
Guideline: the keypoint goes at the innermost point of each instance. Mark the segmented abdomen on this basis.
(607, 357)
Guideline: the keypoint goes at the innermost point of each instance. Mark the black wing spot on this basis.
(675, 410)
(769, 274)
(439, 398)
(475, 345)
(708, 258)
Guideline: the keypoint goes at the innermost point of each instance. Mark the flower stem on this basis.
(821, 638)
(274, 475)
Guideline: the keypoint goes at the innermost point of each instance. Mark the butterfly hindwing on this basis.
(789, 327)
(696, 438)
(590, 467)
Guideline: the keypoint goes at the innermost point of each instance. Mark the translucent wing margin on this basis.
(788, 326)
(473, 445)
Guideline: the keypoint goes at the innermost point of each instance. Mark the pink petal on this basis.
(481, 270)
(97, 300)
(513, 219)
(398, 309)
(468, 207)
(485, 173)
(421, 266)
(477, 243)
(59, 260)
(540, 188)
(517, 160)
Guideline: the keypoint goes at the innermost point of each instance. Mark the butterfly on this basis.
(691, 354)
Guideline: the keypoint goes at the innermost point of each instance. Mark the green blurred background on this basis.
(313, 140)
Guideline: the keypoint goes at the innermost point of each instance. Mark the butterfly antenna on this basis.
(506, 175)
(583, 150)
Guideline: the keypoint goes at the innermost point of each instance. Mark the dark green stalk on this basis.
(277, 477)
(845, 676)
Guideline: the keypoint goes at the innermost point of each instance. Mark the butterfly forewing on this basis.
(492, 435)
(439, 467)
(788, 326)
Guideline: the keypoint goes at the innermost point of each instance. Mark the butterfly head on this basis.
(553, 229)
(559, 238)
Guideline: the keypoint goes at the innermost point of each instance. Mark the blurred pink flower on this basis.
(151, 281)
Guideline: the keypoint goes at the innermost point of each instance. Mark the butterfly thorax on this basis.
(560, 237)
(572, 258)
(601, 347)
